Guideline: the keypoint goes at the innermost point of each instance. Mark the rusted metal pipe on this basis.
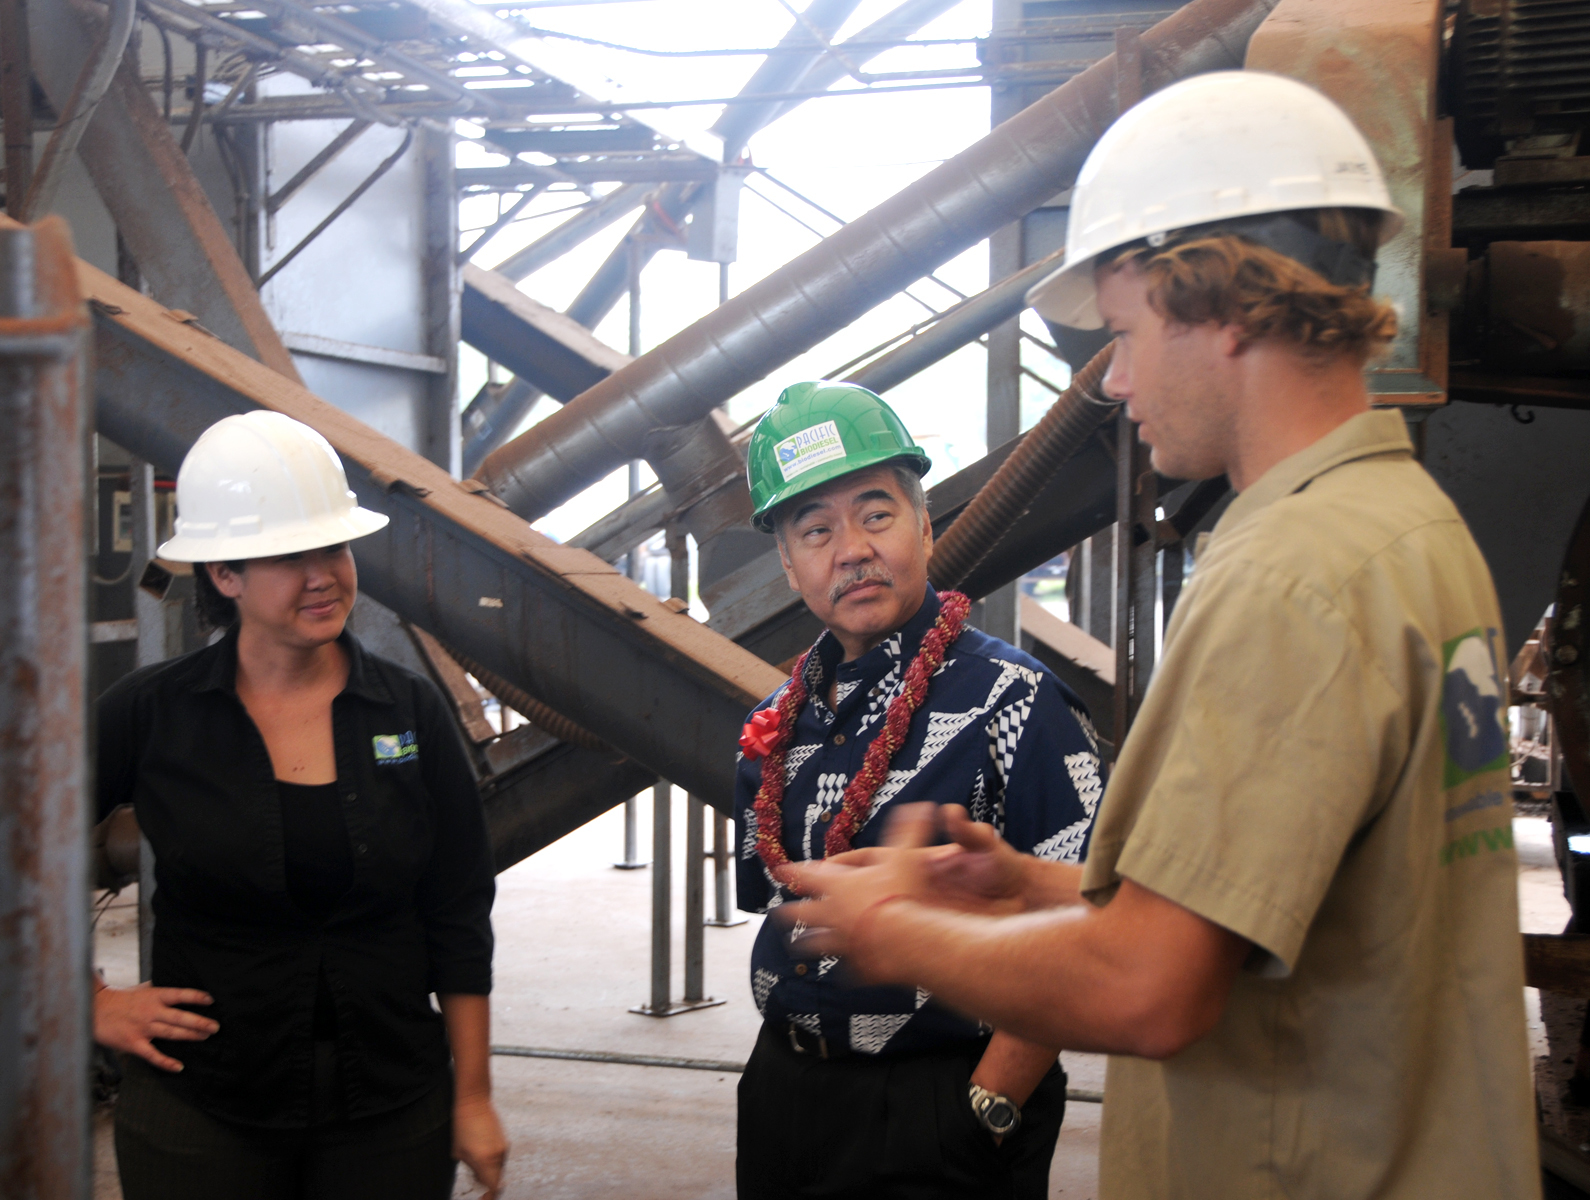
(1001, 178)
(527, 706)
(45, 1148)
(1070, 421)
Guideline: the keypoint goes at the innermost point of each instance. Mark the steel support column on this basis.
(45, 1148)
(1002, 420)
(440, 430)
(16, 102)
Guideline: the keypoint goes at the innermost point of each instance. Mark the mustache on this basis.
(873, 573)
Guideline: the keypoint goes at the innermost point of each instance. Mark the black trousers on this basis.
(884, 1129)
(168, 1150)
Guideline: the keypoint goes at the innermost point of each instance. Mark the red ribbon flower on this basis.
(756, 739)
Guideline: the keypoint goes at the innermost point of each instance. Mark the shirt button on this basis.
(363, 849)
(839, 739)
(826, 817)
(800, 968)
(352, 796)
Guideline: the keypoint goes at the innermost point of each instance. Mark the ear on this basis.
(1231, 341)
(227, 581)
(789, 567)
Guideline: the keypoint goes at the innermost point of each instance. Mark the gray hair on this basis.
(904, 474)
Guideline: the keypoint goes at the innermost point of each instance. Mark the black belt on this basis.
(816, 1045)
(803, 1041)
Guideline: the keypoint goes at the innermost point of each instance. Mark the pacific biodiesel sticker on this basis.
(1472, 706)
(393, 748)
(809, 448)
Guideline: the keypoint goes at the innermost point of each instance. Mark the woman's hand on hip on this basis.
(126, 1019)
(478, 1141)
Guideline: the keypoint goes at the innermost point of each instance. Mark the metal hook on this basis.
(1523, 418)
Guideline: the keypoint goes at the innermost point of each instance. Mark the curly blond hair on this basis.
(1225, 278)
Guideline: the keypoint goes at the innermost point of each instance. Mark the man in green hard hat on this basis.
(881, 1092)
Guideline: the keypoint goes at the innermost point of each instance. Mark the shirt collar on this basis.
(1377, 432)
(363, 681)
(902, 644)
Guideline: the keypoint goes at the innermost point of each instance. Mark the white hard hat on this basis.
(1213, 148)
(262, 484)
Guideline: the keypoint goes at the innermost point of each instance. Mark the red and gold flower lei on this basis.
(772, 738)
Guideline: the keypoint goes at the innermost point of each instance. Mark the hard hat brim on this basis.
(762, 518)
(1069, 296)
(294, 538)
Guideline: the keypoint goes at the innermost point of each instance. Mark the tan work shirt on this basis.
(1320, 766)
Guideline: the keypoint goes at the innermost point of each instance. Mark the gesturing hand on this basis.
(126, 1019)
(850, 886)
(479, 1142)
(980, 872)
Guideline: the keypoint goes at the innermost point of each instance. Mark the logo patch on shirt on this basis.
(809, 448)
(391, 748)
(1472, 709)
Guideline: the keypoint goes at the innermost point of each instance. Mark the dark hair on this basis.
(215, 611)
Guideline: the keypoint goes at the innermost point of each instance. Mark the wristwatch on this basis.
(1000, 1115)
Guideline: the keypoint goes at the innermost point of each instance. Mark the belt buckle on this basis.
(795, 1043)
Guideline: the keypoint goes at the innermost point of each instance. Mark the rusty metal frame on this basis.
(45, 1146)
(153, 195)
(555, 621)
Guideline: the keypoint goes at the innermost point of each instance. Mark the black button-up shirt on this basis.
(176, 743)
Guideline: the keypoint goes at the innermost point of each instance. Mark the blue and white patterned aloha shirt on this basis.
(998, 733)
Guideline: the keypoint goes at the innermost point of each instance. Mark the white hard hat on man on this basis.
(1226, 148)
(262, 484)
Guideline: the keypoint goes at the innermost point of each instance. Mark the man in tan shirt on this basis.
(1300, 938)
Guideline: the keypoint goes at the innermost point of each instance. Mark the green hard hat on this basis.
(819, 431)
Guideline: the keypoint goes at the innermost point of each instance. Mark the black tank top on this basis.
(319, 865)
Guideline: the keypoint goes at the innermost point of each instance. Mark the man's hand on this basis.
(479, 1142)
(126, 1019)
(980, 871)
(853, 885)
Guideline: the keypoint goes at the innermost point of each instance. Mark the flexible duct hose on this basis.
(1070, 421)
(538, 714)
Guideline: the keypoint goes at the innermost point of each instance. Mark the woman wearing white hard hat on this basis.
(321, 865)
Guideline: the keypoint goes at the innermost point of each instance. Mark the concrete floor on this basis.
(572, 957)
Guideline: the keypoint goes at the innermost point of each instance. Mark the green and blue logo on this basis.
(391, 748)
(809, 448)
(1473, 710)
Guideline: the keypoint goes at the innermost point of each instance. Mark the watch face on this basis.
(1001, 1116)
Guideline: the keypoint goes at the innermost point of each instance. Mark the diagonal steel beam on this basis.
(538, 344)
(555, 621)
(153, 196)
(781, 72)
(894, 26)
(1022, 163)
(585, 224)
